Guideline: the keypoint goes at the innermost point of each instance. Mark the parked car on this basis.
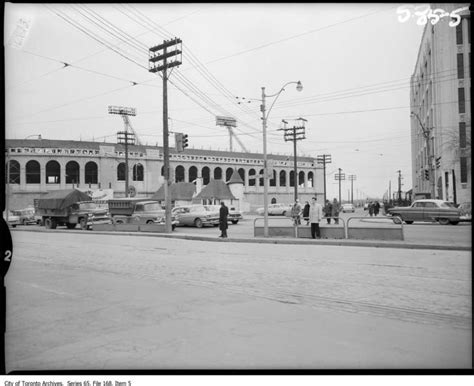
(196, 215)
(27, 216)
(13, 219)
(348, 208)
(234, 215)
(427, 210)
(276, 210)
(466, 211)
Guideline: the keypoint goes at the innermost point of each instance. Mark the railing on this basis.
(357, 232)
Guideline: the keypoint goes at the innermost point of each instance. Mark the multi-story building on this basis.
(36, 166)
(441, 110)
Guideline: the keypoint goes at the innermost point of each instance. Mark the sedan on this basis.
(348, 208)
(234, 215)
(276, 210)
(427, 210)
(196, 215)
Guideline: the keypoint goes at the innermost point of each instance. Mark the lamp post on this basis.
(265, 115)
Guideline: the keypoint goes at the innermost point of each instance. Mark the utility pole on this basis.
(352, 178)
(159, 62)
(399, 186)
(125, 137)
(427, 134)
(390, 192)
(340, 176)
(324, 159)
(295, 133)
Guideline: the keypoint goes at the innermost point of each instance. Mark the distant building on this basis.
(37, 166)
(440, 98)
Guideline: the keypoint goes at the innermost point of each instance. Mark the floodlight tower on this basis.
(125, 137)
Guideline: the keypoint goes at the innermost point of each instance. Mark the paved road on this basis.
(88, 301)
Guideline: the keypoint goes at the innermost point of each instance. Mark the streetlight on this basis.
(265, 114)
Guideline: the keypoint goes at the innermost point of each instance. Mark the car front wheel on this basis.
(454, 222)
(443, 221)
(198, 223)
(409, 222)
(235, 221)
(83, 223)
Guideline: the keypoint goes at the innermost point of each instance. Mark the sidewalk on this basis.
(186, 234)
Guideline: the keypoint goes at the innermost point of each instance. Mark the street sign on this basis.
(226, 121)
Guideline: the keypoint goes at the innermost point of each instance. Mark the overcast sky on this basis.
(354, 61)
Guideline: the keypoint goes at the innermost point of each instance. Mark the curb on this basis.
(283, 241)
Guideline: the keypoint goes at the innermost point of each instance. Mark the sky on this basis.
(353, 60)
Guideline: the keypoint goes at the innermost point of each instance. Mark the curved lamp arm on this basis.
(299, 87)
(426, 133)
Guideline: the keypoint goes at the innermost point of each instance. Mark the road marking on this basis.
(44, 288)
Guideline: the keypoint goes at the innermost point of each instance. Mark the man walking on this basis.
(315, 215)
(223, 213)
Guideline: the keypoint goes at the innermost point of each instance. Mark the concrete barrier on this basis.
(326, 232)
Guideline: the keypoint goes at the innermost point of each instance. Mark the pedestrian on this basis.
(306, 212)
(223, 213)
(296, 212)
(315, 216)
(371, 208)
(335, 211)
(328, 211)
(376, 208)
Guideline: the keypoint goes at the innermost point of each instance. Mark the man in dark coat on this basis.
(223, 213)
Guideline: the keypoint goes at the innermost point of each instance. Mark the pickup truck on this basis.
(138, 211)
(69, 207)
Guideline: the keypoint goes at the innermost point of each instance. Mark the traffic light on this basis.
(178, 139)
(184, 140)
(438, 162)
(427, 174)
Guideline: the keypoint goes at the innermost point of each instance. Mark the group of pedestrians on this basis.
(331, 211)
(374, 208)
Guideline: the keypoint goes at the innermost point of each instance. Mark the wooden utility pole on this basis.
(340, 176)
(352, 178)
(159, 62)
(324, 159)
(295, 133)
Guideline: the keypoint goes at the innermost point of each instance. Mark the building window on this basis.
(91, 173)
(53, 170)
(462, 102)
(193, 173)
(179, 174)
(72, 172)
(228, 174)
(217, 173)
(121, 171)
(301, 179)
(469, 30)
(33, 172)
(463, 170)
(292, 178)
(138, 172)
(460, 66)
(462, 135)
(260, 180)
(273, 180)
(310, 180)
(459, 33)
(206, 175)
(242, 174)
(13, 172)
(282, 178)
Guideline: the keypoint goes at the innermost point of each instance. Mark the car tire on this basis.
(150, 222)
(70, 225)
(454, 222)
(198, 223)
(284, 213)
(396, 219)
(83, 224)
(173, 227)
(50, 223)
(409, 222)
(235, 221)
(443, 221)
(118, 222)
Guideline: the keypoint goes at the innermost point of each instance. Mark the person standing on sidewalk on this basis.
(335, 211)
(315, 216)
(296, 212)
(328, 211)
(306, 208)
(223, 213)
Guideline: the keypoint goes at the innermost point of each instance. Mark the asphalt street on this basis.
(93, 301)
